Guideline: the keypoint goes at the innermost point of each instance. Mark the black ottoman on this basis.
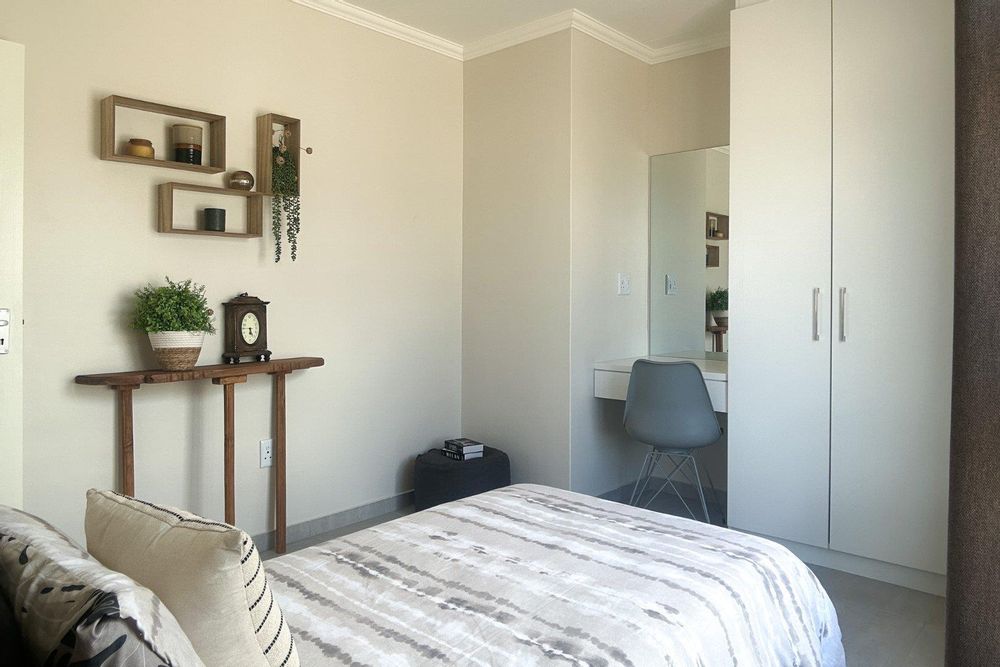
(438, 479)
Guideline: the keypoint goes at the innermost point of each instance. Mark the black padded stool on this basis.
(438, 479)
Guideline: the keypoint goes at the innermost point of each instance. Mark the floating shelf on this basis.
(265, 142)
(165, 210)
(721, 225)
(216, 134)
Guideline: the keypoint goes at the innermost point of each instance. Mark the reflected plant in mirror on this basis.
(717, 303)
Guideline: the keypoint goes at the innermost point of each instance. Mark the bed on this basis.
(530, 574)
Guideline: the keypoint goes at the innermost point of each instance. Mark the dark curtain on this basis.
(973, 619)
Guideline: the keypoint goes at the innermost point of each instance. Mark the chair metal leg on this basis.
(642, 474)
(701, 492)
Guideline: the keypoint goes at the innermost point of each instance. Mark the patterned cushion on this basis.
(208, 573)
(72, 610)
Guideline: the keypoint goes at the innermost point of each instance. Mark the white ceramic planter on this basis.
(177, 350)
(721, 317)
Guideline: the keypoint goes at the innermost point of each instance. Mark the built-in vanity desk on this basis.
(611, 377)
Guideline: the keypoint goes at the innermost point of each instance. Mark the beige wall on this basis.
(516, 259)
(376, 290)
(11, 214)
(689, 103)
(609, 235)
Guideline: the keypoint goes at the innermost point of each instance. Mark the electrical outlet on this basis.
(266, 453)
(624, 284)
(671, 285)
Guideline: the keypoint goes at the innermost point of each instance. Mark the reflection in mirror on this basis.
(689, 253)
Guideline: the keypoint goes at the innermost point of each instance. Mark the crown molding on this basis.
(691, 47)
(571, 18)
(386, 26)
(523, 33)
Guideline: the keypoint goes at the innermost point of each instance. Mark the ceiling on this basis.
(653, 23)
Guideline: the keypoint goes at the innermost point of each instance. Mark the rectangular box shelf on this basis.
(216, 134)
(165, 210)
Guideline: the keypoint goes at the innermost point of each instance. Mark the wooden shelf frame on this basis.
(165, 210)
(227, 376)
(265, 135)
(216, 134)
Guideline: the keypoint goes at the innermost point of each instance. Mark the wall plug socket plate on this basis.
(266, 453)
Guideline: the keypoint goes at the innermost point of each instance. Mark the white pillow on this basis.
(208, 574)
(71, 609)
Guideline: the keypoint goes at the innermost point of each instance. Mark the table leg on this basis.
(229, 443)
(125, 437)
(279, 463)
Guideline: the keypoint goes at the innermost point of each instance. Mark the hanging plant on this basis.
(285, 199)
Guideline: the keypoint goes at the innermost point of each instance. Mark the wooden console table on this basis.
(227, 375)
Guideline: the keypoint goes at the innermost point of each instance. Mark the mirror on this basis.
(689, 253)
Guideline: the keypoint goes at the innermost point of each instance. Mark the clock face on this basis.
(250, 328)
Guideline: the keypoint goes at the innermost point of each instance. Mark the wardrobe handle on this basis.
(815, 313)
(843, 314)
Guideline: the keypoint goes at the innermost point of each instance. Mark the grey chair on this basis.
(668, 408)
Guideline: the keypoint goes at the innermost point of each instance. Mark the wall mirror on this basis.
(689, 253)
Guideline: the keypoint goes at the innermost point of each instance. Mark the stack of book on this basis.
(462, 449)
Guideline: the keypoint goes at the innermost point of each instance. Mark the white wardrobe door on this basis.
(779, 400)
(893, 221)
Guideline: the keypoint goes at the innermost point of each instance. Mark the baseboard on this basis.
(324, 524)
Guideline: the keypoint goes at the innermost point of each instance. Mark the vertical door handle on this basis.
(843, 314)
(815, 313)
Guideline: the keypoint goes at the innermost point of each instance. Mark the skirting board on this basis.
(900, 575)
(325, 524)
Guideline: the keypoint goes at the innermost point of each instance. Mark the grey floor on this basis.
(883, 625)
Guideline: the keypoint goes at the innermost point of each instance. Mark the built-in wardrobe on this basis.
(841, 278)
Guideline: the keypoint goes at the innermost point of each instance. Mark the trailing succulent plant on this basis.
(179, 306)
(285, 199)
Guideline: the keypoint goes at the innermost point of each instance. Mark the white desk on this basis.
(611, 377)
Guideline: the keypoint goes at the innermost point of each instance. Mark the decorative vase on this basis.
(215, 219)
(241, 180)
(177, 350)
(187, 143)
(721, 318)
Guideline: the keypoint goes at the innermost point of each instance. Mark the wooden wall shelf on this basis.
(216, 135)
(165, 210)
(265, 142)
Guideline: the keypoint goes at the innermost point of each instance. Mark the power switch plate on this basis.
(266, 453)
(670, 286)
(4, 330)
(624, 284)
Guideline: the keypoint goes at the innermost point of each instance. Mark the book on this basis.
(473, 449)
(458, 456)
(463, 445)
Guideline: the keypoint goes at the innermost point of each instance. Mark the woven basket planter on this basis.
(177, 350)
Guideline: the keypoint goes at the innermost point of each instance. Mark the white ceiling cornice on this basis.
(386, 26)
(546, 26)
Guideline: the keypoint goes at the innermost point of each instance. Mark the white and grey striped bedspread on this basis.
(529, 574)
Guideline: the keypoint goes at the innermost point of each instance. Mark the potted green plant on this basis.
(176, 317)
(717, 303)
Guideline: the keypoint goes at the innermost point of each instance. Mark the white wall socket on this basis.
(624, 284)
(266, 453)
(670, 285)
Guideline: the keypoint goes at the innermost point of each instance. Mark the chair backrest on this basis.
(668, 406)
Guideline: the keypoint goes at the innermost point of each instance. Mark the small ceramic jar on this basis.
(139, 148)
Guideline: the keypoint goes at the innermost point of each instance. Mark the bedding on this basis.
(529, 574)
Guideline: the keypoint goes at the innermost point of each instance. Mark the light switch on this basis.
(670, 284)
(624, 283)
(4, 330)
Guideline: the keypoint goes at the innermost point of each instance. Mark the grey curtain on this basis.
(973, 617)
